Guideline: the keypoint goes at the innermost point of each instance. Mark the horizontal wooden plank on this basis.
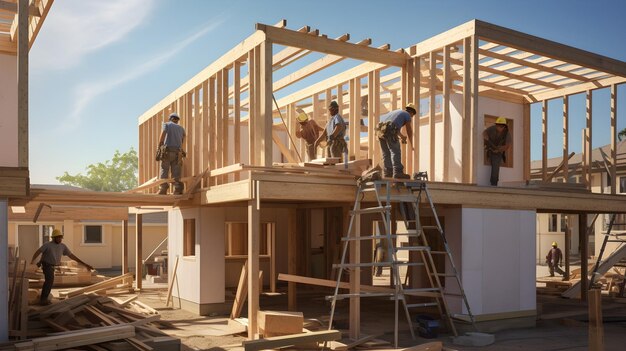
(14, 186)
(291, 340)
(329, 46)
(575, 89)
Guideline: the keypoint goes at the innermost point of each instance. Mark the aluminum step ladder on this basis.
(385, 192)
(608, 237)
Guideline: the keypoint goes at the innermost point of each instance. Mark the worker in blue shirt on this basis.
(389, 134)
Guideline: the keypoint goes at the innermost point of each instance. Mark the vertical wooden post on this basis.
(596, 329)
(138, 249)
(466, 136)
(237, 114)
(253, 260)
(292, 249)
(544, 140)
(125, 246)
(568, 245)
(476, 139)
(417, 78)
(219, 119)
(583, 242)
(225, 123)
(588, 136)
(206, 132)
(265, 104)
(614, 139)
(252, 117)
(196, 156)
(376, 112)
(355, 278)
(565, 139)
(22, 82)
(371, 137)
(212, 136)
(271, 230)
(446, 113)
(432, 77)
(354, 111)
(526, 140)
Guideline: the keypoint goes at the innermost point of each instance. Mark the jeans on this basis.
(48, 273)
(336, 147)
(311, 151)
(392, 156)
(496, 160)
(170, 161)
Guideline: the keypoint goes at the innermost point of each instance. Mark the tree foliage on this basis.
(621, 134)
(118, 174)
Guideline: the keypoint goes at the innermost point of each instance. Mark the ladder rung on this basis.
(615, 241)
(413, 248)
(363, 294)
(430, 227)
(439, 252)
(362, 265)
(427, 304)
(453, 294)
(377, 209)
(415, 290)
(444, 274)
(410, 264)
(370, 237)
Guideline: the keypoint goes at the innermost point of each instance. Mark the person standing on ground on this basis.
(389, 134)
(497, 142)
(554, 260)
(172, 139)
(334, 132)
(309, 131)
(51, 253)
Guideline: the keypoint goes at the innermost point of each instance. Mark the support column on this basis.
(22, 83)
(544, 141)
(476, 130)
(125, 246)
(584, 253)
(466, 137)
(138, 250)
(292, 249)
(568, 245)
(265, 122)
(526, 140)
(4, 272)
(447, 124)
(355, 278)
(613, 139)
(254, 224)
(432, 77)
(588, 135)
(565, 139)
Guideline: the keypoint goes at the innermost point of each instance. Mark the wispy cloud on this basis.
(85, 93)
(76, 28)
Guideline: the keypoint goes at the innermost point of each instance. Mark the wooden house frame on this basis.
(236, 129)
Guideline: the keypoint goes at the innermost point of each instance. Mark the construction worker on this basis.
(389, 135)
(172, 139)
(334, 132)
(51, 253)
(554, 260)
(497, 142)
(309, 131)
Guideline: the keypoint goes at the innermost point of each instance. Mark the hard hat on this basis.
(333, 104)
(501, 120)
(554, 244)
(302, 117)
(174, 115)
(411, 106)
(55, 233)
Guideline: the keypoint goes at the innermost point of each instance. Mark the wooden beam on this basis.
(138, 250)
(526, 139)
(583, 243)
(596, 329)
(549, 48)
(292, 249)
(565, 139)
(125, 246)
(476, 129)
(22, 84)
(575, 89)
(447, 124)
(292, 340)
(558, 168)
(446, 38)
(254, 224)
(417, 77)
(588, 136)
(466, 131)
(264, 128)
(613, 113)
(288, 37)
(431, 112)
(544, 140)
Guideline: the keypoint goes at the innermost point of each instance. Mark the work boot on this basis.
(162, 191)
(44, 302)
(387, 173)
(402, 176)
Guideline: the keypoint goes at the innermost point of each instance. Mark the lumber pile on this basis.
(119, 284)
(101, 322)
(69, 274)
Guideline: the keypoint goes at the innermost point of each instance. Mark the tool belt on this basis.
(387, 130)
(160, 153)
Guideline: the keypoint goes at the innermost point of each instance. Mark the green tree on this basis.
(118, 174)
(621, 134)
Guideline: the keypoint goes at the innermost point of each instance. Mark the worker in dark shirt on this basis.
(554, 260)
(51, 253)
(497, 142)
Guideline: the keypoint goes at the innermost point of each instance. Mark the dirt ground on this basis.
(210, 332)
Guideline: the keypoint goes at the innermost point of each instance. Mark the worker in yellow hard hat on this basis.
(497, 142)
(389, 135)
(51, 253)
(309, 131)
(554, 260)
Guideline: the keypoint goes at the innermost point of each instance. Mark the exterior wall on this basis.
(497, 261)
(207, 274)
(8, 111)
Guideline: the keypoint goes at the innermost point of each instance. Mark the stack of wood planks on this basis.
(119, 284)
(94, 322)
(69, 274)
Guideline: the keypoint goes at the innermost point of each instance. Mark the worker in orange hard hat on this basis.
(497, 142)
(554, 260)
(389, 135)
(51, 253)
(309, 131)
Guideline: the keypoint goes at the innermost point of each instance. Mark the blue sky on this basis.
(98, 65)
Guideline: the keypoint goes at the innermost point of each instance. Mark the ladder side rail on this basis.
(599, 260)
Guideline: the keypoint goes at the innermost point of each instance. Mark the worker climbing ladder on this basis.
(409, 194)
